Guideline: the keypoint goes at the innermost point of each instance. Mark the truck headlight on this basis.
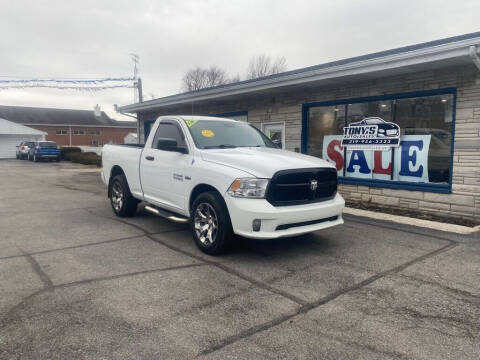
(248, 188)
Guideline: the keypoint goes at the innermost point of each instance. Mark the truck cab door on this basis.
(163, 165)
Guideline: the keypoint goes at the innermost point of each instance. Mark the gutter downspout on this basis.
(474, 56)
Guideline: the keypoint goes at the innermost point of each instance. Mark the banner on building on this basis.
(409, 162)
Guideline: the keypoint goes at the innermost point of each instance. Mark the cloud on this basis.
(94, 38)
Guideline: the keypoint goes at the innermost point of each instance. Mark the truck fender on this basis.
(114, 171)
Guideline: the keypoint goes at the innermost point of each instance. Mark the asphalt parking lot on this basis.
(78, 283)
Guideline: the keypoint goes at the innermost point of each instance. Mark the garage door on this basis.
(8, 144)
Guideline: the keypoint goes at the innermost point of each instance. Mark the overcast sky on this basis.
(86, 38)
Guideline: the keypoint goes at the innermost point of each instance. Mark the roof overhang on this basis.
(425, 58)
(10, 128)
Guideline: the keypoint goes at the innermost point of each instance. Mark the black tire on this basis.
(224, 233)
(128, 205)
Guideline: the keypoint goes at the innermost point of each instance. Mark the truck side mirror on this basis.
(170, 144)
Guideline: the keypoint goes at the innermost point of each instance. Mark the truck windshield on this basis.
(217, 134)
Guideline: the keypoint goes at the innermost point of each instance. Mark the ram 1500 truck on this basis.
(225, 177)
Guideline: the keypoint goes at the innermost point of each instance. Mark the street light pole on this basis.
(140, 91)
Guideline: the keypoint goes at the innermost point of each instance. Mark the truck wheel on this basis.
(210, 223)
(121, 199)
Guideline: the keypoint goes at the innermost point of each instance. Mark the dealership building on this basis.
(430, 90)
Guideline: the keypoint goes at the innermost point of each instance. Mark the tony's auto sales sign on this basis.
(371, 133)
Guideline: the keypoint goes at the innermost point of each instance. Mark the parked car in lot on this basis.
(44, 150)
(23, 148)
(225, 177)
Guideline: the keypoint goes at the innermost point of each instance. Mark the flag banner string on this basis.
(68, 81)
(79, 88)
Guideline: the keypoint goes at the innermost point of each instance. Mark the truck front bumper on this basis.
(281, 221)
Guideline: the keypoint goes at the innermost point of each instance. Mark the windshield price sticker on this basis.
(190, 123)
(208, 133)
(371, 133)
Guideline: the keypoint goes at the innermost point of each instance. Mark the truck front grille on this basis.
(294, 187)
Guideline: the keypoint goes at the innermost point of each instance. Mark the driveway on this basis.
(78, 283)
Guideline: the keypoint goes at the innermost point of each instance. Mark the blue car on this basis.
(385, 129)
(44, 150)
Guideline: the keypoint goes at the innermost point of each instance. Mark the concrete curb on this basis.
(459, 229)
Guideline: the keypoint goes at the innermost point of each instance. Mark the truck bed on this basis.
(132, 145)
(127, 157)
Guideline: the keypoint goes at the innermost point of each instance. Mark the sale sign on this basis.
(409, 163)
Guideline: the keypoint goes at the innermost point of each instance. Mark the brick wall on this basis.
(463, 202)
(107, 134)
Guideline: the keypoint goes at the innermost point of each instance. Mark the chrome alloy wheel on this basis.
(206, 223)
(117, 196)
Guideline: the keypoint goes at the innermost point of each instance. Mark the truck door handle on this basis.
(149, 158)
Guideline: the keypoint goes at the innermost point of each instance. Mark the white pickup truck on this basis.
(225, 177)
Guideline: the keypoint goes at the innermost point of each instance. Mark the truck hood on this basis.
(260, 161)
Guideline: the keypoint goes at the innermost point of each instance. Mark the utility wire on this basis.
(67, 80)
(79, 88)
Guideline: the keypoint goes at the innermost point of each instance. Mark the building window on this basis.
(78, 132)
(61, 132)
(94, 132)
(423, 161)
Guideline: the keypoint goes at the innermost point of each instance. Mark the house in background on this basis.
(12, 134)
(69, 127)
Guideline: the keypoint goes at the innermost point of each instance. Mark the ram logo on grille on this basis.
(313, 185)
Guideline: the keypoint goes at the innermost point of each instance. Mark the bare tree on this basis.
(200, 78)
(279, 65)
(262, 65)
(194, 79)
(216, 76)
